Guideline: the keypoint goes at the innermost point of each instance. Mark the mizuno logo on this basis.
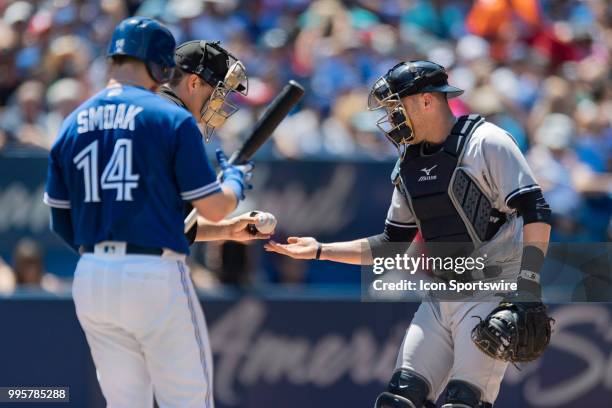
(428, 170)
(428, 176)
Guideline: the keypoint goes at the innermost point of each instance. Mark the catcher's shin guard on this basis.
(406, 389)
(460, 394)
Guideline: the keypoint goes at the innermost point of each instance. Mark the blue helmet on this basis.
(147, 40)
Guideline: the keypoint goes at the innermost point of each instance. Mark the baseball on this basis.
(266, 222)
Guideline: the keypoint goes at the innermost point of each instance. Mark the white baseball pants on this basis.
(438, 346)
(146, 330)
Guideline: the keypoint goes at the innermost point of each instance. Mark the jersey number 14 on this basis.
(117, 174)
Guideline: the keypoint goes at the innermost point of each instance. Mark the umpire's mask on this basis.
(218, 108)
(221, 70)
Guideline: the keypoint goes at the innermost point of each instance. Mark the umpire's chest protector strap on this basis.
(448, 205)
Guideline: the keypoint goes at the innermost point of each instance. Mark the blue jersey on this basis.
(124, 163)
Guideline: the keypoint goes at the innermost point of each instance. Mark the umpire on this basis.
(204, 76)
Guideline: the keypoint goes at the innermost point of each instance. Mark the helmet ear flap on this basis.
(159, 73)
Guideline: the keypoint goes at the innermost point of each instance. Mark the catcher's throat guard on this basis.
(395, 123)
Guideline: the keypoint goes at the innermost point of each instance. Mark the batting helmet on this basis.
(147, 40)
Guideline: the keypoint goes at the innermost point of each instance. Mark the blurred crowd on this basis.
(540, 69)
(27, 273)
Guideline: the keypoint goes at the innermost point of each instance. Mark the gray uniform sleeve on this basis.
(399, 214)
(508, 171)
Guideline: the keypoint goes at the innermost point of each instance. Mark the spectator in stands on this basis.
(30, 271)
(552, 161)
(9, 79)
(24, 121)
(3, 139)
(63, 96)
(28, 263)
(7, 278)
(567, 179)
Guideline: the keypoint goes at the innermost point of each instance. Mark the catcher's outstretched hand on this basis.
(296, 247)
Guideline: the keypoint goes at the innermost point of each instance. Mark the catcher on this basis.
(462, 181)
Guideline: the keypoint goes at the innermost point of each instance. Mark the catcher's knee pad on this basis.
(461, 394)
(388, 400)
(406, 389)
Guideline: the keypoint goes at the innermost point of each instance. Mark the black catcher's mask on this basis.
(221, 70)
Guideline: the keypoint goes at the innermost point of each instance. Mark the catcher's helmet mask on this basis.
(395, 123)
(221, 70)
(404, 79)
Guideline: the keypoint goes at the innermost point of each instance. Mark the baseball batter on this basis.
(458, 180)
(124, 164)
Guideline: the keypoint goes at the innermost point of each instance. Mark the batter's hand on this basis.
(237, 228)
(237, 176)
(296, 247)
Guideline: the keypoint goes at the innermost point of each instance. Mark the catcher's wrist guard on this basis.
(528, 281)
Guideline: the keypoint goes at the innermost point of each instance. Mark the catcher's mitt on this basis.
(514, 332)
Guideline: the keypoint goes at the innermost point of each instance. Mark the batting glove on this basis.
(235, 176)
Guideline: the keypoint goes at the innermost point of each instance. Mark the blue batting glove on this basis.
(233, 176)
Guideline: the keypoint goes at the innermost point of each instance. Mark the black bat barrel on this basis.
(271, 118)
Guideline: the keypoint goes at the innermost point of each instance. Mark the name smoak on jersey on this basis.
(106, 117)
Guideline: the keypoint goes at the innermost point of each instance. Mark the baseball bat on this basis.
(274, 114)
